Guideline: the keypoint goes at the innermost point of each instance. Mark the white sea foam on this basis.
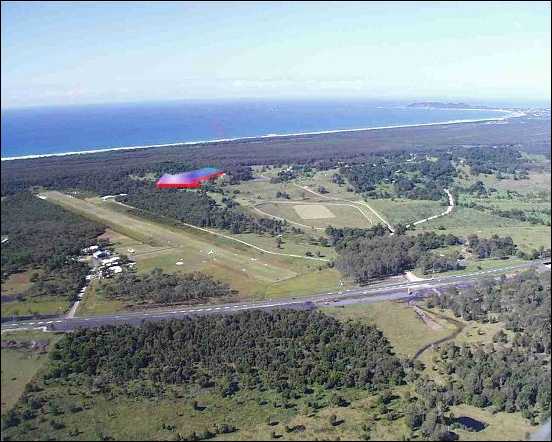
(509, 114)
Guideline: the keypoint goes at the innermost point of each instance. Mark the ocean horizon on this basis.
(30, 132)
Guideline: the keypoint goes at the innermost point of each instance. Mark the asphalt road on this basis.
(359, 295)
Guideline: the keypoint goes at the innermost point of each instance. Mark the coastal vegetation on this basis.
(44, 241)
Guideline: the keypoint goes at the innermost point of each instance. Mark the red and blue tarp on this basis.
(188, 180)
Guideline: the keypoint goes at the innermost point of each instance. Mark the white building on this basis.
(90, 249)
(110, 261)
(101, 254)
(115, 269)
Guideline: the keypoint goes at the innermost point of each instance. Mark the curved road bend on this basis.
(359, 295)
(458, 325)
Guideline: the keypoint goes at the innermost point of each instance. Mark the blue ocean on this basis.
(51, 130)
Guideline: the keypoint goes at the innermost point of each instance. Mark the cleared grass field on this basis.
(248, 270)
(17, 283)
(313, 211)
(500, 426)
(464, 221)
(537, 182)
(255, 191)
(474, 265)
(345, 214)
(20, 365)
(399, 323)
(94, 303)
(406, 211)
(47, 305)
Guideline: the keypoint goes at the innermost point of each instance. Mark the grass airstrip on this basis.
(176, 248)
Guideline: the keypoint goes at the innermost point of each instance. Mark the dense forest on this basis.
(282, 350)
(199, 209)
(364, 255)
(161, 288)
(41, 233)
(45, 237)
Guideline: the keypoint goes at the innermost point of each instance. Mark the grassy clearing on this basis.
(249, 411)
(399, 323)
(20, 365)
(345, 215)
(537, 182)
(324, 178)
(475, 265)
(475, 333)
(45, 305)
(406, 211)
(94, 303)
(262, 193)
(18, 282)
(464, 221)
(500, 426)
(301, 285)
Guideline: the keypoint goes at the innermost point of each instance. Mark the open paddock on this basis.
(316, 216)
(313, 211)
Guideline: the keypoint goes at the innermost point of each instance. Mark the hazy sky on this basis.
(66, 53)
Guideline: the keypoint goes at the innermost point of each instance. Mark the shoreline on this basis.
(509, 114)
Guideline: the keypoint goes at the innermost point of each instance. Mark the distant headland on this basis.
(441, 105)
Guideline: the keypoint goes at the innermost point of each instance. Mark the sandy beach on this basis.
(509, 114)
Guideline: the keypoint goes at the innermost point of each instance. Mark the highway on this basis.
(357, 295)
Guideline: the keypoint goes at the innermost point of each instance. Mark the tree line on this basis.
(493, 247)
(201, 210)
(162, 288)
(364, 254)
(283, 350)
